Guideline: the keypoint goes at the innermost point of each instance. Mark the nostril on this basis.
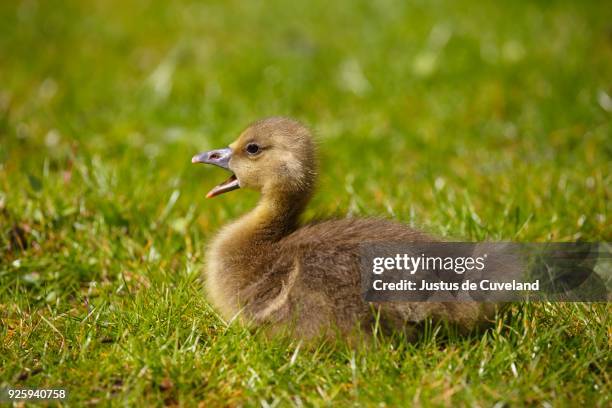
(214, 156)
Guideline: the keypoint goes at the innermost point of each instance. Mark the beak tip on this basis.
(194, 159)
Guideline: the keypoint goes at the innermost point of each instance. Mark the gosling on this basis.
(267, 270)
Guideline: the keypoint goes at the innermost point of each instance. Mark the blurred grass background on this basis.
(473, 121)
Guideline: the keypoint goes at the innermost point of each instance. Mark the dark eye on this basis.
(252, 148)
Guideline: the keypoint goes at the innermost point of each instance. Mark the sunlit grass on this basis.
(469, 120)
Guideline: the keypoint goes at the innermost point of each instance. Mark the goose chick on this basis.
(266, 269)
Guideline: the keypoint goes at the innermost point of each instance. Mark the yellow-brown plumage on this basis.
(266, 269)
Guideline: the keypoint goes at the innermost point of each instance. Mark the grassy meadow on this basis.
(470, 120)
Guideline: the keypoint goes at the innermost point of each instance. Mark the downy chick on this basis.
(268, 270)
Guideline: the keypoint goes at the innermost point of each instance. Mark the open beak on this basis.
(221, 158)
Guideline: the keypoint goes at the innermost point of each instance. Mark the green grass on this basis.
(473, 121)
